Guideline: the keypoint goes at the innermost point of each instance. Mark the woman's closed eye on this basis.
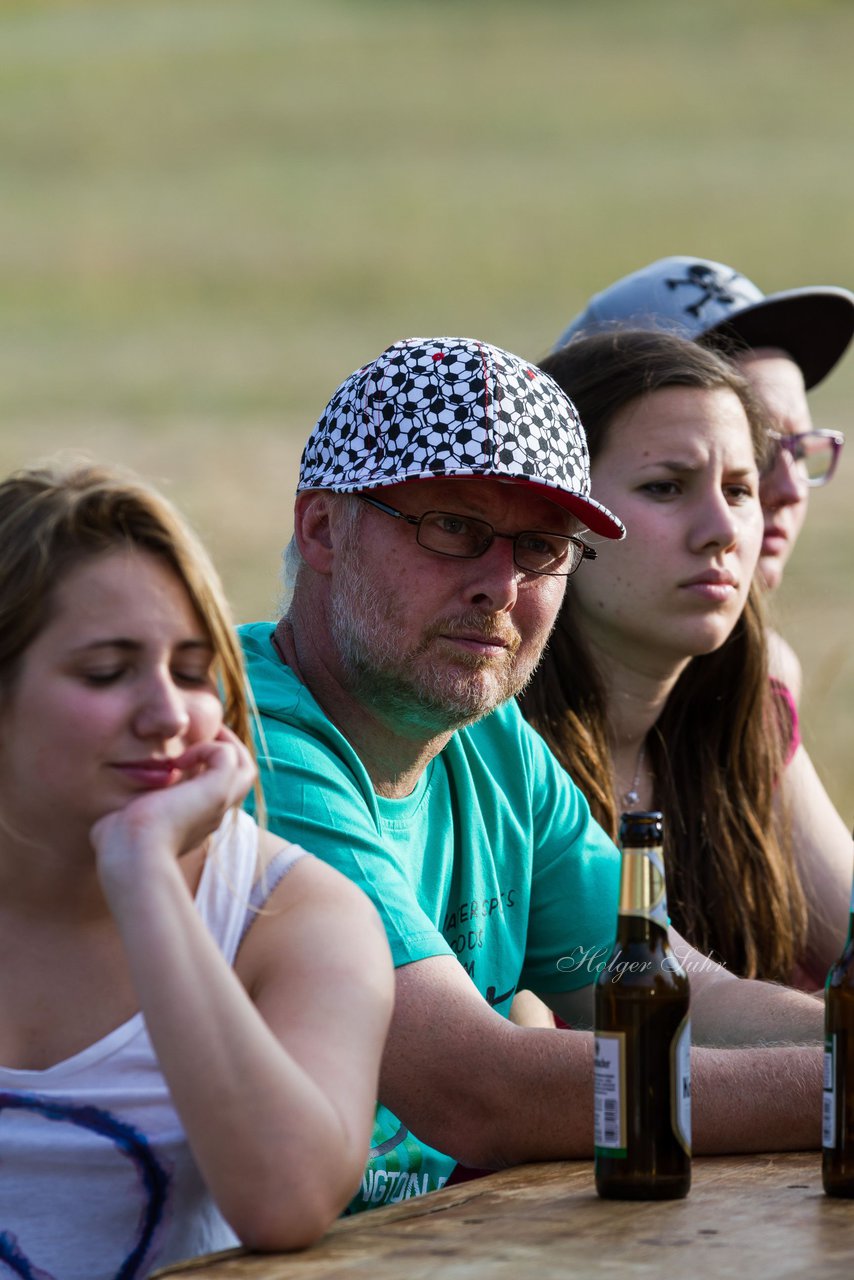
(198, 677)
(103, 676)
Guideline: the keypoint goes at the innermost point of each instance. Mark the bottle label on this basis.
(609, 1092)
(828, 1097)
(680, 1076)
(642, 885)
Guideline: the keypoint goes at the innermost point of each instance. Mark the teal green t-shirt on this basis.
(493, 858)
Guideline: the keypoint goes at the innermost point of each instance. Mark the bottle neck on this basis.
(643, 891)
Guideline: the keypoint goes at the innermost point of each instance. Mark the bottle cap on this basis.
(641, 827)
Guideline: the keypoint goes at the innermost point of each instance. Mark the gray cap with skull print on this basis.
(715, 304)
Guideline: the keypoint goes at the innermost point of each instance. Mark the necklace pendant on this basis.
(631, 798)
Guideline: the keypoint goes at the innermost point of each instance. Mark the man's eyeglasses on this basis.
(461, 536)
(815, 453)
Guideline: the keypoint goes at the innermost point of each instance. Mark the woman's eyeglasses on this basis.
(815, 453)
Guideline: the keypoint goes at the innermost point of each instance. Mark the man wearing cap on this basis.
(785, 343)
(441, 498)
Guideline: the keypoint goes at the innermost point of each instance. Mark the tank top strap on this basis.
(226, 882)
(285, 857)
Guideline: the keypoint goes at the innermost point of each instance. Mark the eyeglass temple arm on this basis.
(390, 511)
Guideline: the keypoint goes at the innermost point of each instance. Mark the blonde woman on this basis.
(191, 1011)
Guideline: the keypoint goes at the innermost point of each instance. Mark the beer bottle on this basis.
(837, 1128)
(642, 1036)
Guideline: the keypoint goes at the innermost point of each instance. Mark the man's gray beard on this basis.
(426, 699)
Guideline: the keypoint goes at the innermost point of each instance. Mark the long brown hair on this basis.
(718, 747)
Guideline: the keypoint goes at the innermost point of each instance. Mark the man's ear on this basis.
(313, 529)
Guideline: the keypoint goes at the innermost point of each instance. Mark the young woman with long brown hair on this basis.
(654, 691)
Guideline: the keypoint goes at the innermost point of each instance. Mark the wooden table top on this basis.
(746, 1216)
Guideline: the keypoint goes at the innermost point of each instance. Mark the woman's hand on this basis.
(161, 825)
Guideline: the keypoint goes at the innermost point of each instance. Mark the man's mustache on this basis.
(478, 626)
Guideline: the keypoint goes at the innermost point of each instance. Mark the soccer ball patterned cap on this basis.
(445, 407)
(698, 298)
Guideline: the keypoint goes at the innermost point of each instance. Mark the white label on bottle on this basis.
(609, 1091)
(828, 1097)
(680, 1076)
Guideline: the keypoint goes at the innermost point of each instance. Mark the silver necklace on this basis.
(631, 798)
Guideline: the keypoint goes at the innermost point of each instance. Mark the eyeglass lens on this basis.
(814, 453)
(453, 535)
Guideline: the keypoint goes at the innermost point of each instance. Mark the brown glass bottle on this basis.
(642, 1036)
(837, 1128)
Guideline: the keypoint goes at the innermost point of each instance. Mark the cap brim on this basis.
(592, 514)
(814, 326)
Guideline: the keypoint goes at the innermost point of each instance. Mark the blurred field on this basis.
(212, 211)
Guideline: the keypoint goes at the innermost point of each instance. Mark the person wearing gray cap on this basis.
(785, 343)
(441, 503)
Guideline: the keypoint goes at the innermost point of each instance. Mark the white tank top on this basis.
(96, 1179)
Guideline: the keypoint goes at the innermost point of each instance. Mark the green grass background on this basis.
(211, 212)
